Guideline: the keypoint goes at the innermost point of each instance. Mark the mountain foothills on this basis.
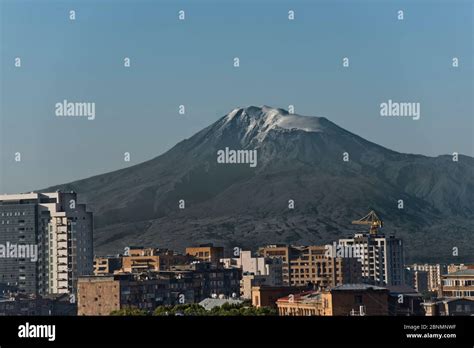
(298, 158)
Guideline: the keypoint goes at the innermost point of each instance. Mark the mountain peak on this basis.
(266, 118)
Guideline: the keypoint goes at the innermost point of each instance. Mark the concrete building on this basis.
(382, 258)
(434, 273)
(104, 265)
(22, 305)
(342, 300)
(266, 296)
(209, 279)
(303, 265)
(139, 259)
(417, 279)
(58, 228)
(255, 265)
(405, 301)
(458, 267)
(100, 295)
(256, 271)
(450, 307)
(459, 284)
(206, 252)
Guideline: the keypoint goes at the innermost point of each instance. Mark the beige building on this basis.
(459, 284)
(256, 271)
(206, 252)
(266, 296)
(342, 300)
(458, 267)
(310, 265)
(139, 259)
(104, 265)
(434, 274)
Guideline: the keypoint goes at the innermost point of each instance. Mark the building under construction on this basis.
(381, 257)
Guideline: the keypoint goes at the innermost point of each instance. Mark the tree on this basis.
(129, 311)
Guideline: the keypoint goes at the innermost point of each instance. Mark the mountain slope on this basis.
(299, 158)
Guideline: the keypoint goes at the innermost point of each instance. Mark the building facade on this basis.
(59, 229)
(256, 271)
(139, 259)
(434, 273)
(312, 265)
(459, 284)
(100, 295)
(342, 300)
(206, 253)
(382, 258)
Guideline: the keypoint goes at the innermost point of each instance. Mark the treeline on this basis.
(195, 309)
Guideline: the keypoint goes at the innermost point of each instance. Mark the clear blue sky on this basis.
(173, 62)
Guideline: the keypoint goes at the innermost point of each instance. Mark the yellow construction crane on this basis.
(370, 219)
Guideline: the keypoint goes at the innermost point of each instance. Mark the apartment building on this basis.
(434, 273)
(104, 265)
(256, 271)
(59, 228)
(303, 265)
(206, 252)
(139, 259)
(382, 258)
(459, 284)
(450, 307)
(100, 295)
(417, 279)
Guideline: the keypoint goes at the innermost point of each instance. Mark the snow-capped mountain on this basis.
(300, 158)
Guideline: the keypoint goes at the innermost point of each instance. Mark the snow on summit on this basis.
(265, 118)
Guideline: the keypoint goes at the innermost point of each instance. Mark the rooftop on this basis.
(356, 287)
(209, 303)
(463, 272)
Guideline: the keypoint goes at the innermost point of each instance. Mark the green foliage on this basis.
(429, 295)
(226, 309)
(129, 311)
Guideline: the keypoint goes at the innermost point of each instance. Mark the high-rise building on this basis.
(381, 257)
(55, 228)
